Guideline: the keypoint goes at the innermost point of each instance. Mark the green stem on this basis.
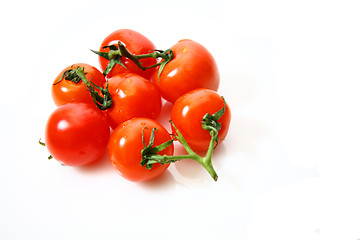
(204, 161)
(125, 53)
(182, 140)
(102, 102)
(122, 51)
(165, 55)
(81, 74)
(210, 123)
(118, 51)
(207, 159)
(77, 75)
(166, 159)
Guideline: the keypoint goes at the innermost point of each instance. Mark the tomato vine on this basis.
(209, 123)
(119, 50)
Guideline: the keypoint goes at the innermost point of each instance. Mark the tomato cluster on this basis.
(116, 109)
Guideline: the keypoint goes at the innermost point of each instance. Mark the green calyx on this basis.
(149, 150)
(71, 75)
(114, 57)
(118, 51)
(103, 101)
(76, 75)
(210, 122)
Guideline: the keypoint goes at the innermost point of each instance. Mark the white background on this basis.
(289, 168)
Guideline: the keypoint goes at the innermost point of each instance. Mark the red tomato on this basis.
(188, 112)
(125, 147)
(135, 43)
(77, 134)
(133, 96)
(192, 67)
(67, 91)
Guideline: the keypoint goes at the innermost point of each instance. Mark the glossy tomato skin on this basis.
(188, 112)
(77, 134)
(67, 91)
(133, 96)
(137, 44)
(125, 147)
(192, 67)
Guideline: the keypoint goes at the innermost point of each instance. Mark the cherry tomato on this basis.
(77, 134)
(135, 43)
(125, 147)
(133, 96)
(188, 112)
(192, 67)
(67, 91)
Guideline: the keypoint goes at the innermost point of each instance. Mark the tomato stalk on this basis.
(102, 102)
(210, 123)
(116, 52)
(70, 75)
(76, 75)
